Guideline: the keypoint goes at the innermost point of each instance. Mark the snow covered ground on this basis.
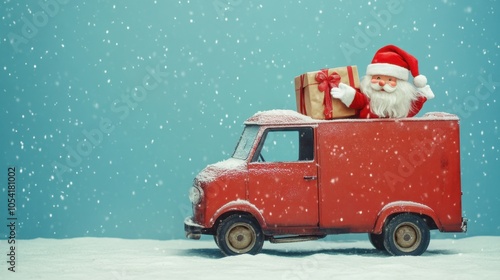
(120, 259)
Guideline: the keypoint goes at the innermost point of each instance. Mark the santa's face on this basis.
(389, 97)
(384, 83)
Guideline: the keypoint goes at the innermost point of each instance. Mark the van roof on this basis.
(279, 117)
(292, 117)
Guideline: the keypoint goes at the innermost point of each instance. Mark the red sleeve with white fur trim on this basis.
(417, 105)
(360, 101)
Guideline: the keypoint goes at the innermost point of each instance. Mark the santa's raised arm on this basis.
(385, 91)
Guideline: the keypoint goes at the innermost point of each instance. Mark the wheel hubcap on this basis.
(407, 237)
(241, 238)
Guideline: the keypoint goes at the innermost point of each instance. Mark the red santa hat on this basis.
(393, 61)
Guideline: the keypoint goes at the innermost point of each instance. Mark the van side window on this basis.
(286, 145)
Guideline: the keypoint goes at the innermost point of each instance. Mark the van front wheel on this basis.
(239, 234)
(406, 235)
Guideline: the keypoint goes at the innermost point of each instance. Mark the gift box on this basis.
(312, 91)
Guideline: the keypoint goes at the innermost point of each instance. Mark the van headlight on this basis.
(195, 195)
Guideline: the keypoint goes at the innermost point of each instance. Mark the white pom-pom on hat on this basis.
(420, 81)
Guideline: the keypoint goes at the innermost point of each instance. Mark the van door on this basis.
(283, 177)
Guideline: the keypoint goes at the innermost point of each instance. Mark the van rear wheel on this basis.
(215, 239)
(239, 234)
(406, 235)
(377, 240)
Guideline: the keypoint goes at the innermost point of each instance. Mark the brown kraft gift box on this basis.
(312, 92)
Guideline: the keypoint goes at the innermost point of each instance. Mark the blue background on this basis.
(70, 71)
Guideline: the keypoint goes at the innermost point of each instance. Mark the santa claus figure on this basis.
(385, 90)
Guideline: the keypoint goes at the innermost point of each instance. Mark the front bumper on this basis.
(192, 229)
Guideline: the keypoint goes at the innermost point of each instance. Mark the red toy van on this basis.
(294, 178)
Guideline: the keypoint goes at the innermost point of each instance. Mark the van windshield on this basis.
(246, 142)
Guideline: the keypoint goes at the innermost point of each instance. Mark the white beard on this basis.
(396, 104)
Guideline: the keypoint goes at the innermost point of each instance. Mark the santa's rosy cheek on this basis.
(374, 81)
(392, 83)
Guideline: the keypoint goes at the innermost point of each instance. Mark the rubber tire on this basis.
(216, 241)
(406, 235)
(239, 234)
(377, 240)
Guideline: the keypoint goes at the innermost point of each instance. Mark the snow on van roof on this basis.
(440, 116)
(279, 116)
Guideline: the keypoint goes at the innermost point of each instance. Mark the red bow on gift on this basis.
(325, 84)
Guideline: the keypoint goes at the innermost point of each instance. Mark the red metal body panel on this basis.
(367, 165)
(282, 194)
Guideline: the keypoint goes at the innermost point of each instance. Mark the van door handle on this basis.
(310, 178)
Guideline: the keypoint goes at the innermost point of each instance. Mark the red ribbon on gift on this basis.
(325, 84)
(302, 95)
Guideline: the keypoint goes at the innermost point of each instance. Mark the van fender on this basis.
(403, 207)
(238, 206)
